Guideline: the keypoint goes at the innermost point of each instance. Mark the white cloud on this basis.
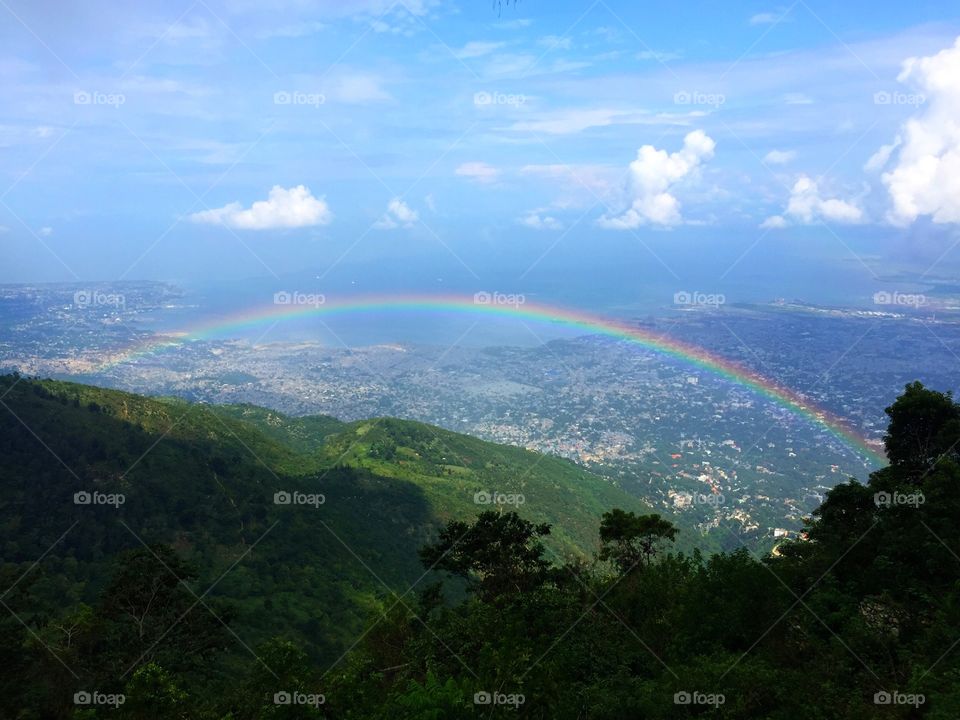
(565, 122)
(45, 231)
(13, 135)
(881, 157)
(766, 18)
(197, 28)
(478, 171)
(515, 24)
(797, 99)
(555, 42)
(658, 56)
(538, 221)
(806, 205)
(292, 208)
(524, 65)
(294, 30)
(653, 176)
(158, 86)
(398, 214)
(476, 48)
(926, 177)
(395, 18)
(779, 157)
(774, 222)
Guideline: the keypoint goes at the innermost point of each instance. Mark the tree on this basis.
(924, 426)
(498, 554)
(282, 669)
(149, 614)
(153, 694)
(630, 540)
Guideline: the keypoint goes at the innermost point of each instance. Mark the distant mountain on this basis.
(302, 524)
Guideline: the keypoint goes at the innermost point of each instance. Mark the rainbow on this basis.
(522, 309)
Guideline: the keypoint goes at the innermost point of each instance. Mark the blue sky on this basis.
(220, 139)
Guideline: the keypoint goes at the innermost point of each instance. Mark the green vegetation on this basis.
(450, 468)
(202, 479)
(234, 607)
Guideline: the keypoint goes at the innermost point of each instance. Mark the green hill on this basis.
(456, 471)
(301, 434)
(203, 479)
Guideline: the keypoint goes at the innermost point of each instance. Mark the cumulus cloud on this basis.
(398, 214)
(925, 179)
(478, 171)
(292, 208)
(652, 178)
(537, 220)
(807, 205)
(779, 157)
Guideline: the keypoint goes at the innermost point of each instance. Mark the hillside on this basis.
(453, 470)
(304, 435)
(202, 479)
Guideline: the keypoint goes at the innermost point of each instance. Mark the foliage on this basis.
(858, 619)
(630, 540)
(500, 553)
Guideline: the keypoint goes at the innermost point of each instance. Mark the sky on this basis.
(218, 140)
